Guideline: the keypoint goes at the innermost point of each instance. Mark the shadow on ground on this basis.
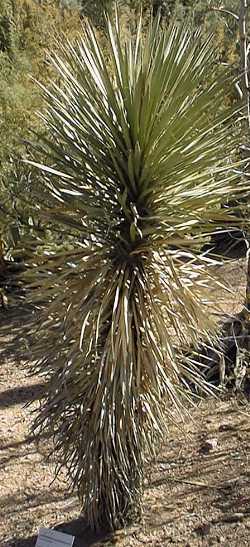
(15, 341)
(20, 395)
(84, 537)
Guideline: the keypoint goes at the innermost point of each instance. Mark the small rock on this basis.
(235, 517)
(203, 530)
(247, 472)
(230, 484)
(226, 427)
(208, 445)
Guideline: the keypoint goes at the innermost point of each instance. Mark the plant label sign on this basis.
(52, 538)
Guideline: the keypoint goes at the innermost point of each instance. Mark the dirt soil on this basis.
(196, 494)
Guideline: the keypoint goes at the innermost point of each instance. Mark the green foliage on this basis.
(139, 160)
(26, 31)
(7, 28)
(95, 10)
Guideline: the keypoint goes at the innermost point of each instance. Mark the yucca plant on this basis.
(139, 158)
